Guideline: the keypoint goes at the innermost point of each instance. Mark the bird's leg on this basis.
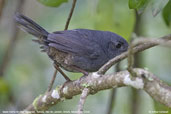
(63, 74)
(54, 77)
(80, 70)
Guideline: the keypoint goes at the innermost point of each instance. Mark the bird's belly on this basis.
(61, 59)
(67, 61)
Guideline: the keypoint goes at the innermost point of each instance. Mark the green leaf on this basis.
(157, 6)
(114, 16)
(167, 13)
(139, 5)
(52, 3)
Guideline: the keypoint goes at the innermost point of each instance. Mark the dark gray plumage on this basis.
(78, 50)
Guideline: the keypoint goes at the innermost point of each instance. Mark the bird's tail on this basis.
(27, 25)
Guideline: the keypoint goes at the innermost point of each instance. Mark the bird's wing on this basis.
(72, 42)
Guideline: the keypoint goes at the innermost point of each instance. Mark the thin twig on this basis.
(14, 37)
(131, 60)
(52, 81)
(83, 97)
(136, 49)
(158, 41)
(70, 14)
(138, 41)
(66, 27)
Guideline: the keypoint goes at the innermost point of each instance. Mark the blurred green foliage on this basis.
(111, 17)
(161, 107)
(30, 71)
(52, 3)
(156, 7)
(167, 13)
(4, 92)
(139, 5)
(4, 87)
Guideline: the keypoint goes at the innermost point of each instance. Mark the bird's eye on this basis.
(115, 45)
(118, 45)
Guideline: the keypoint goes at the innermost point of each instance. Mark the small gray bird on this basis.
(78, 50)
